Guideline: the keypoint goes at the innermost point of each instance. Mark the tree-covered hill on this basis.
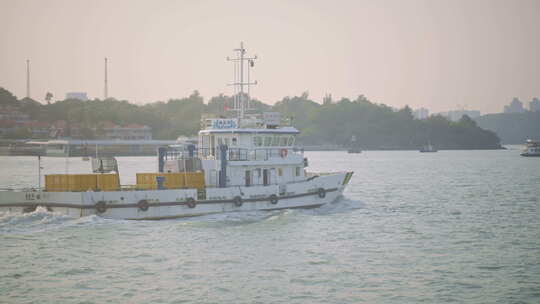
(375, 126)
(512, 128)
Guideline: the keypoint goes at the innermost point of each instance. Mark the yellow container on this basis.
(174, 180)
(194, 180)
(57, 182)
(108, 182)
(82, 182)
(148, 181)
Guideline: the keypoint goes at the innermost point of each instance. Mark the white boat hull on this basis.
(166, 204)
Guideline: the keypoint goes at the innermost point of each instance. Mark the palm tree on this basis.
(48, 97)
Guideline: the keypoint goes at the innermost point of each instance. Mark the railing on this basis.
(241, 154)
(178, 154)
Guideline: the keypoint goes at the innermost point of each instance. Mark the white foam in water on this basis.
(41, 220)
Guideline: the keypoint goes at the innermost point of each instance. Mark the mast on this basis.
(27, 78)
(239, 99)
(106, 87)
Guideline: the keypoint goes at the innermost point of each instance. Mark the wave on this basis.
(218, 220)
(41, 220)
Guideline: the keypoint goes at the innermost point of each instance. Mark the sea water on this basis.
(451, 226)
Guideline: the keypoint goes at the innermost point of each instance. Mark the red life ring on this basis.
(283, 153)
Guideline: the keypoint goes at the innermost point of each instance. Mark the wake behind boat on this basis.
(244, 162)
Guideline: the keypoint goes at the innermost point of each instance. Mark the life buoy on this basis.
(191, 202)
(143, 205)
(283, 153)
(238, 201)
(101, 206)
(273, 199)
(321, 192)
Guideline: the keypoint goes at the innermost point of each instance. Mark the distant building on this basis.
(39, 129)
(457, 114)
(421, 113)
(14, 115)
(77, 95)
(63, 129)
(515, 106)
(534, 105)
(127, 132)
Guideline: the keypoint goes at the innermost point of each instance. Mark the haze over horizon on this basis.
(442, 55)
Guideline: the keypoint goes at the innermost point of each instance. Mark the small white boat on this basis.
(242, 163)
(532, 148)
(353, 146)
(428, 148)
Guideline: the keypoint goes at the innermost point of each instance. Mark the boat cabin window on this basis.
(297, 173)
(248, 178)
(267, 141)
(223, 141)
(283, 140)
(257, 141)
(275, 141)
(234, 141)
(291, 141)
(280, 172)
(205, 141)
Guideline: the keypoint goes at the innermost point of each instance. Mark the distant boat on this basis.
(353, 147)
(532, 148)
(428, 148)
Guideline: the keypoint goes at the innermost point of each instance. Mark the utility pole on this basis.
(106, 89)
(27, 78)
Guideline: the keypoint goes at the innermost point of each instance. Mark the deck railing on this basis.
(237, 154)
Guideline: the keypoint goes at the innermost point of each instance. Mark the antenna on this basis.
(238, 82)
(27, 78)
(106, 89)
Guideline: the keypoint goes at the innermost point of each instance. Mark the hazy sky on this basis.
(441, 55)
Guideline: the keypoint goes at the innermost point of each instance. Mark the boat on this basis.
(428, 148)
(353, 146)
(532, 148)
(243, 162)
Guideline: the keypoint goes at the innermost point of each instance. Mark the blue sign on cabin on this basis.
(224, 124)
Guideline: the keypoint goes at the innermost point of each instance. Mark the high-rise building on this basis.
(515, 106)
(77, 95)
(421, 113)
(534, 105)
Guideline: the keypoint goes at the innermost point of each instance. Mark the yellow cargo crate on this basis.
(82, 182)
(56, 182)
(108, 182)
(194, 180)
(147, 181)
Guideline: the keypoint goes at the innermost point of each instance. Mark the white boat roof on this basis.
(283, 130)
